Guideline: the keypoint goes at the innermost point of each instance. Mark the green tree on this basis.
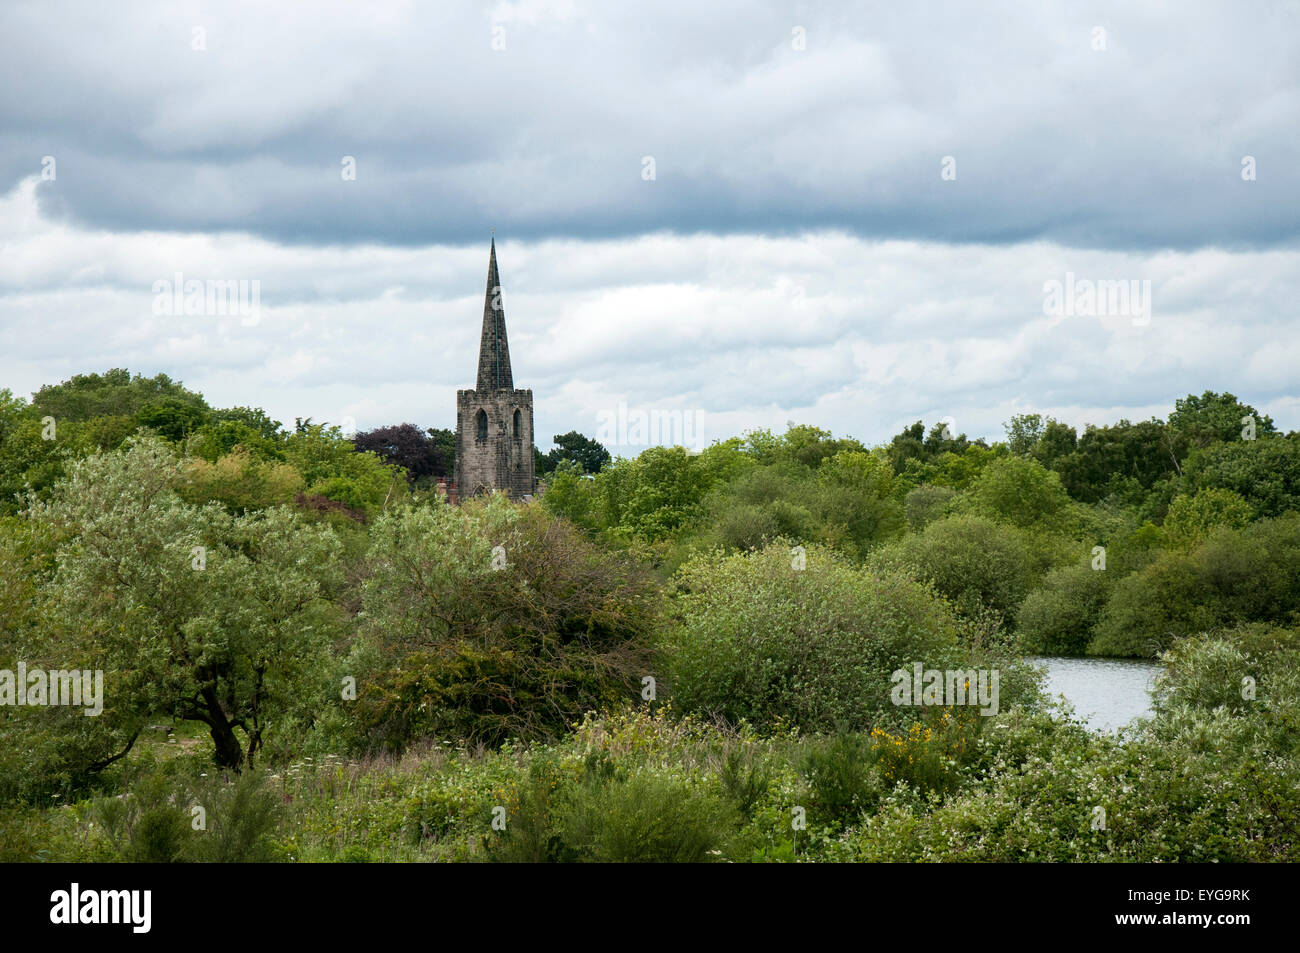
(1123, 460)
(114, 393)
(240, 482)
(855, 500)
(1191, 518)
(1044, 439)
(1059, 618)
(656, 494)
(1021, 492)
(1264, 472)
(1214, 418)
(926, 503)
(495, 621)
(227, 634)
(1233, 576)
(590, 456)
(332, 468)
(172, 417)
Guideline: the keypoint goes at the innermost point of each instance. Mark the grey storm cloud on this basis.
(797, 255)
(535, 117)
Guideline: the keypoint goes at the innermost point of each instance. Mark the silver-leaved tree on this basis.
(189, 611)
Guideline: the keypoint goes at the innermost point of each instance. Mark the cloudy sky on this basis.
(846, 215)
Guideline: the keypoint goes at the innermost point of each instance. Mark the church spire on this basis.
(494, 352)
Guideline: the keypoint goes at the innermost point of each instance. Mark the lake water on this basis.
(1105, 693)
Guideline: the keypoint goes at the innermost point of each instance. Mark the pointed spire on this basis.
(494, 351)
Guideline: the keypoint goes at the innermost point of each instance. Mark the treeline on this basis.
(283, 599)
(1115, 541)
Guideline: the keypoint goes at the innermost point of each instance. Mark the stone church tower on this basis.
(494, 422)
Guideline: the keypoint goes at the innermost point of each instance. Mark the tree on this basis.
(907, 445)
(1043, 439)
(114, 393)
(27, 459)
(570, 495)
(656, 494)
(913, 449)
(587, 454)
(406, 446)
(1213, 418)
(240, 482)
(1191, 518)
(926, 503)
(761, 503)
(854, 498)
(247, 427)
(1058, 439)
(1264, 472)
(444, 443)
(1233, 576)
(334, 468)
(172, 417)
(1059, 617)
(1021, 492)
(1024, 431)
(1124, 460)
(229, 634)
(495, 621)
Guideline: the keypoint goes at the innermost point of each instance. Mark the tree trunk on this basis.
(230, 754)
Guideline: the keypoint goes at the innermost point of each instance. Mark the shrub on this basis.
(1210, 672)
(1265, 472)
(1021, 492)
(1191, 518)
(926, 503)
(612, 815)
(973, 561)
(843, 778)
(147, 824)
(758, 640)
(495, 621)
(650, 817)
(241, 815)
(1234, 576)
(1059, 617)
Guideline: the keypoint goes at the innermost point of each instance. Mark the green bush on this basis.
(491, 621)
(843, 778)
(613, 815)
(1059, 617)
(756, 639)
(1191, 518)
(1246, 575)
(1249, 668)
(925, 504)
(973, 561)
(1021, 492)
(649, 817)
(1265, 472)
(242, 816)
